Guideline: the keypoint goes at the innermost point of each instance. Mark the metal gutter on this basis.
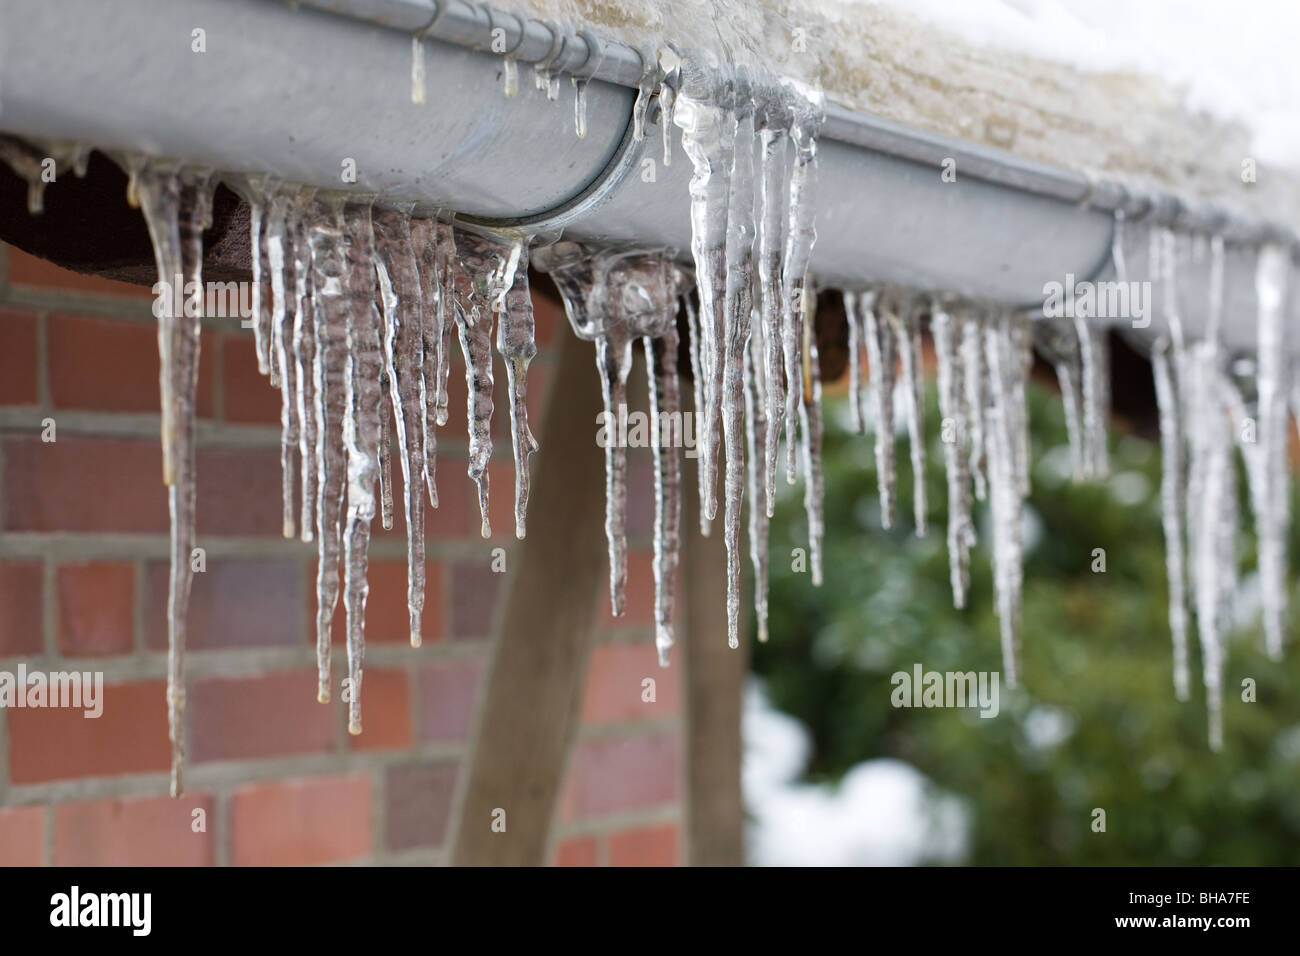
(294, 92)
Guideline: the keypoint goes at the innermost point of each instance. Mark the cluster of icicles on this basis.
(354, 308)
(355, 304)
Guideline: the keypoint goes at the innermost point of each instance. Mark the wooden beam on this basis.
(715, 684)
(543, 639)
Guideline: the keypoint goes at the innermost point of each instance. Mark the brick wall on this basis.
(83, 558)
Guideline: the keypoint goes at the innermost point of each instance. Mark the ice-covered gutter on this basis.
(300, 92)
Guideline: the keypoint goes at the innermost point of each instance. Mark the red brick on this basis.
(614, 690)
(640, 595)
(648, 846)
(232, 604)
(27, 270)
(20, 598)
(385, 711)
(614, 774)
(548, 316)
(239, 492)
(96, 604)
(388, 620)
(155, 831)
(22, 836)
(451, 519)
(448, 692)
(84, 484)
(244, 718)
(302, 822)
(472, 598)
(246, 393)
(106, 364)
(19, 362)
(61, 744)
(579, 851)
(418, 805)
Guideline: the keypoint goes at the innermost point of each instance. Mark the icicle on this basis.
(176, 215)
(670, 66)
(385, 457)
(907, 329)
(284, 372)
(580, 105)
(361, 437)
(810, 440)
(1059, 342)
(273, 241)
(708, 134)
(304, 354)
(1167, 361)
(332, 308)
(696, 347)
(738, 303)
(1172, 497)
(1006, 373)
(515, 342)
(771, 242)
(1211, 513)
(509, 75)
(755, 442)
(856, 345)
(29, 165)
(976, 386)
(944, 328)
(882, 362)
(641, 106)
(261, 291)
(404, 360)
(665, 406)
(612, 297)
(425, 242)
(800, 236)
(474, 312)
(1273, 522)
(417, 70)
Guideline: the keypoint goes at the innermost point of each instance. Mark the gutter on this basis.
(295, 92)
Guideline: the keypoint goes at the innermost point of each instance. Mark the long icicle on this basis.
(810, 440)
(757, 424)
(332, 308)
(945, 328)
(304, 357)
(665, 406)
(176, 215)
(517, 345)
(404, 312)
(882, 362)
(1273, 525)
(907, 328)
(361, 436)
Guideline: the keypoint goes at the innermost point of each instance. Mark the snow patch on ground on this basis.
(883, 813)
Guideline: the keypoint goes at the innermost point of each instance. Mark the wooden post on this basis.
(715, 684)
(530, 710)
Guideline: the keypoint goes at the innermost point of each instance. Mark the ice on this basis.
(907, 327)
(771, 242)
(361, 436)
(976, 386)
(418, 90)
(756, 425)
(883, 366)
(810, 444)
(283, 372)
(613, 297)
(425, 244)
(708, 138)
(946, 328)
(1167, 362)
(328, 239)
(403, 342)
(739, 308)
(1273, 519)
(1058, 341)
(665, 400)
(857, 411)
(695, 345)
(303, 360)
(177, 210)
(515, 342)
(476, 261)
(1006, 371)
(385, 456)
